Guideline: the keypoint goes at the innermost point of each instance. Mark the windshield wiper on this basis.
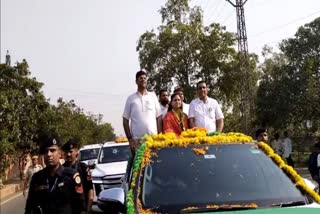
(217, 209)
(289, 204)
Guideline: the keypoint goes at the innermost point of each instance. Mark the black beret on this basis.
(48, 141)
(71, 144)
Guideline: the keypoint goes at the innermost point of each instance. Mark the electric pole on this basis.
(246, 90)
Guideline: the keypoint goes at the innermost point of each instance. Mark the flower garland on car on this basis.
(198, 136)
(292, 174)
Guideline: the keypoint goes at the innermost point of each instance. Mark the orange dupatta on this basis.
(171, 123)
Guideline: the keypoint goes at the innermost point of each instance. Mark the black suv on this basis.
(207, 177)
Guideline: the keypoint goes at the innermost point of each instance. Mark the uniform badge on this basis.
(54, 142)
(77, 178)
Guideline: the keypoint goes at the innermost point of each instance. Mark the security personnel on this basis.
(71, 152)
(55, 189)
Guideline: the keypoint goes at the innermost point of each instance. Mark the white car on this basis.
(110, 168)
(89, 153)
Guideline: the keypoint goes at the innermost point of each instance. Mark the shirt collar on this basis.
(200, 101)
(139, 94)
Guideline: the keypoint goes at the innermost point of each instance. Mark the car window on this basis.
(89, 154)
(225, 174)
(114, 154)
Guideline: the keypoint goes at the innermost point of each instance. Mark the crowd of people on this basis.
(68, 188)
(149, 115)
(282, 147)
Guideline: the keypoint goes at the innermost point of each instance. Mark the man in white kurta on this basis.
(287, 149)
(205, 112)
(142, 110)
(141, 113)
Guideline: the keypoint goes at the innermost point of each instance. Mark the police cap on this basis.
(48, 141)
(71, 144)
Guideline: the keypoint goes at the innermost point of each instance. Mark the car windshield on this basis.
(89, 154)
(114, 154)
(225, 174)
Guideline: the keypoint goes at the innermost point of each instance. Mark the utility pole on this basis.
(246, 91)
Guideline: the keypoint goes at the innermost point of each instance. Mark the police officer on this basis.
(71, 151)
(55, 189)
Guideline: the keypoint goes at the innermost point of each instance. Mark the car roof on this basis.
(113, 143)
(91, 146)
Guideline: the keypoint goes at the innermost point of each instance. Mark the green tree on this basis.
(70, 121)
(21, 108)
(183, 51)
(289, 90)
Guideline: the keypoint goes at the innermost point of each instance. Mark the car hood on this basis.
(285, 210)
(109, 169)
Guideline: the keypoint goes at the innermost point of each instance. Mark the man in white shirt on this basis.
(35, 167)
(164, 101)
(185, 106)
(204, 111)
(287, 149)
(142, 109)
(277, 144)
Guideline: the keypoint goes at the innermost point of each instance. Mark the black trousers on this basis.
(290, 161)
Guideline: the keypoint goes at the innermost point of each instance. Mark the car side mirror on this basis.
(92, 164)
(112, 200)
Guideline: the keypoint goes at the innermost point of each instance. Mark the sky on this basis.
(86, 50)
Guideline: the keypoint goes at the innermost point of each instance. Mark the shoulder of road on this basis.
(10, 189)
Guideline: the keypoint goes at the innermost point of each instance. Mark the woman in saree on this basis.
(175, 120)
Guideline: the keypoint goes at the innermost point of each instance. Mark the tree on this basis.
(69, 121)
(183, 51)
(290, 85)
(303, 53)
(21, 107)
(26, 115)
(273, 108)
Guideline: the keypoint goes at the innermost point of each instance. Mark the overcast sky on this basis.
(86, 49)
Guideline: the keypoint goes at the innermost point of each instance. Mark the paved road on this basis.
(13, 205)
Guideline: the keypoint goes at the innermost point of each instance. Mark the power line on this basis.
(213, 10)
(224, 22)
(286, 24)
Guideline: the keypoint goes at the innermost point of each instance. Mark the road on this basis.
(14, 205)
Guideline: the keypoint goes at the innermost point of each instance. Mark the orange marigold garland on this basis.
(293, 175)
(198, 136)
